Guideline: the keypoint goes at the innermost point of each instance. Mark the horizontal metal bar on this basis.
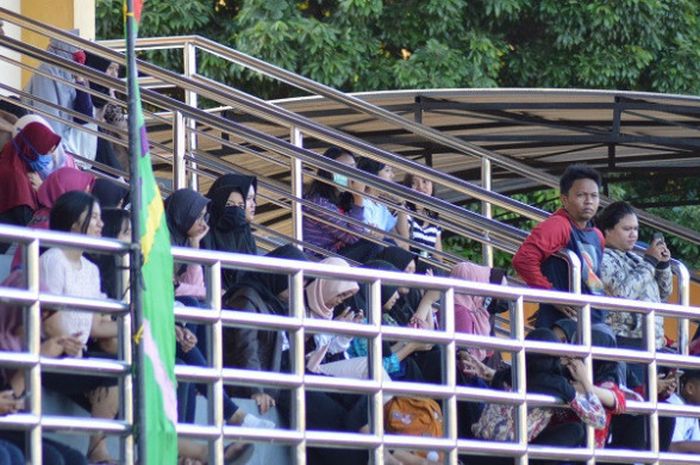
(85, 366)
(26, 421)
(57, 238)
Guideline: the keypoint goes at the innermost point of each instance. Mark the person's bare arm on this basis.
(691, 447)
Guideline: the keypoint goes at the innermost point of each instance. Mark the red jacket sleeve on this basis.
(545, 239)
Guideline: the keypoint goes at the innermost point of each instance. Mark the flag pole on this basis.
(135, 258)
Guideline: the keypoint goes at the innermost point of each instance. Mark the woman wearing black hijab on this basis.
(398, 357)
(257, 349)
(232, 209)
(186, 216)
(109, 193)
(409, 298)
(545, 374)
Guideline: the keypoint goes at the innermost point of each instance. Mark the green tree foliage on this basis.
(359, 45)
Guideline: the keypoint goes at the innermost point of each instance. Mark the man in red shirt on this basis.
(570, 228)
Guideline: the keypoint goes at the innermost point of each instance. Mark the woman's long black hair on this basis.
(326, 189)
(67, 209)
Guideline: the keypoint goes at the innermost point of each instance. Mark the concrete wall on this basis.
(66, 14)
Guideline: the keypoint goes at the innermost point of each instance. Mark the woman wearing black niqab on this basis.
(230, 230)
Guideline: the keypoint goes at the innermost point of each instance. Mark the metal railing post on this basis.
(486, 249)
(32, 318)
(179, 150)
(126, 383)
(375, 366)
(584, 330)
(215, 389)
(651, 370)
(189, 61)
(683, 299)
(449, 374)
(518, 333)
(298, 365)
(297, 179)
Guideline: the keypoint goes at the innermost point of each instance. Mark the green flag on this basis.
(157, 333)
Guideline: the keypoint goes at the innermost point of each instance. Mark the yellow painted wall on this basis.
(66, 14)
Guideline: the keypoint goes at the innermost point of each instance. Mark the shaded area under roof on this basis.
(623, 134)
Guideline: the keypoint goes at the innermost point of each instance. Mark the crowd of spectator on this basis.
(46, 181)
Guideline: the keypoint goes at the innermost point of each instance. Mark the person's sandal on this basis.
(239, 456)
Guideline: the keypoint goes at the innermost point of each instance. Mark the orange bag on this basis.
(414, 416)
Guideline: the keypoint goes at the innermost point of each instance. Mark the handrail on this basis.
(263, 109)
(493, 228)
(418, 129)
(271, 143)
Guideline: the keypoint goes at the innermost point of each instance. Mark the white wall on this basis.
(9, 73)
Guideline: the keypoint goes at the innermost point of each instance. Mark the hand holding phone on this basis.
(658, 238)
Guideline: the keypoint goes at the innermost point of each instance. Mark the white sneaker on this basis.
(251, 421)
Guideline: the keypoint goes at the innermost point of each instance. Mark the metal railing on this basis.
(298, 325)
(34, 421)
(464, 222)
(190, 45)
(183, 118)
(482, 228)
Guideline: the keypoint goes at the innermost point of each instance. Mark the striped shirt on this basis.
(422, 233)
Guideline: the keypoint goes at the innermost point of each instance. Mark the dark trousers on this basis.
(332, 412)
(196, 357)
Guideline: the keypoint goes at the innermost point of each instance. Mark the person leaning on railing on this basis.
(186, 216)
(398, 357)
(569, 228)
(65, 271)
(546, 375)
(56, 184)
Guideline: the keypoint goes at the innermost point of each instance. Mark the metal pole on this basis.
(179, 150)
(135, 191)
(297, 178)
(519, 379)
(189, 61)
(216, 388)
(33, 337)
(449, 373)
(683, 299)
(298, 416)
(486, 249)
(126, 383)
(375, 367)
(650, 342)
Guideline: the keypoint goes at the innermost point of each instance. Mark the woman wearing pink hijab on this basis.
(55, 185)
(322, 296)
(471, 314)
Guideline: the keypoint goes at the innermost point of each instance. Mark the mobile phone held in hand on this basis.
(658, 238)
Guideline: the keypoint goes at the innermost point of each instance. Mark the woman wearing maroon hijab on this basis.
(23, 164)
